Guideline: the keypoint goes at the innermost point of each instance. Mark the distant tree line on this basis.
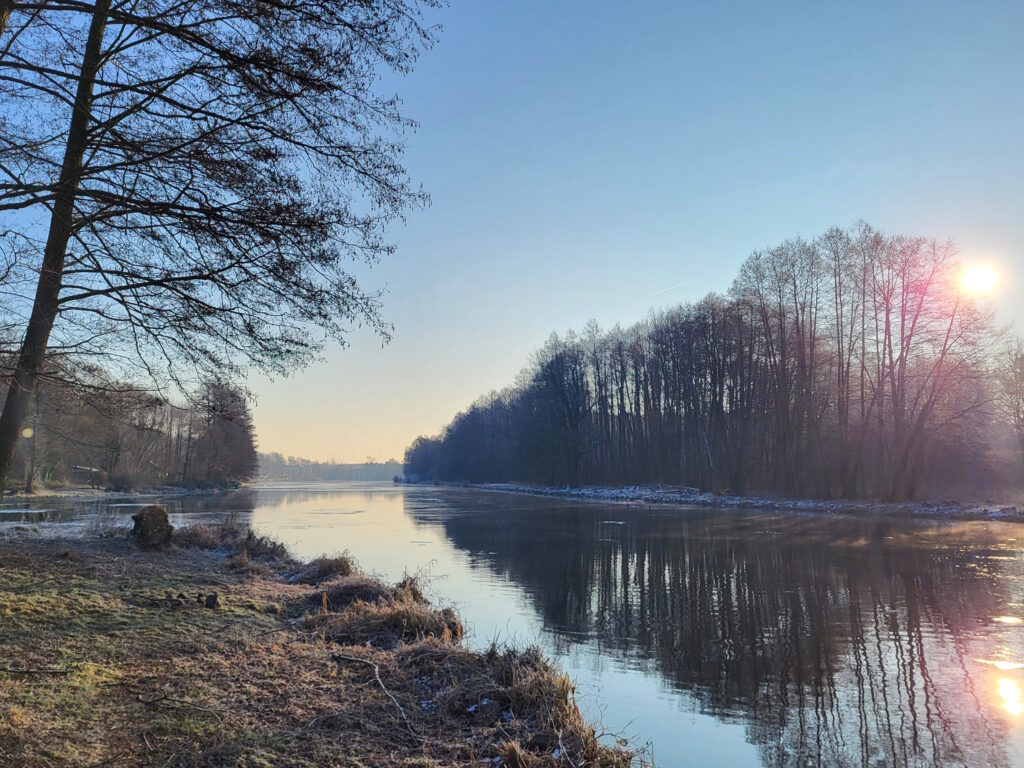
(851, 365)
(90, 429)
(274, 466)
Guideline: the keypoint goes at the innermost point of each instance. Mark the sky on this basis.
(595, 160)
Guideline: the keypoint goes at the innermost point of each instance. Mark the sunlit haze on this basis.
(980, 279)
(593, 160)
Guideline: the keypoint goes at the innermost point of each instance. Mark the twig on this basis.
(108, 760)
(211, 630)
(376, 673)
(291, 624)
(182, 702)
(37, 671)
(35, 584)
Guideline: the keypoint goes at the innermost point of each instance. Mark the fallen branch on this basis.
(38, 671)
(164, 697)
(380, 682)
(108, 760)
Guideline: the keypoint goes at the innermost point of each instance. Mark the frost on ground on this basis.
(685, 496)
(222, 649)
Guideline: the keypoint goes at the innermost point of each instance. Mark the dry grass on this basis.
(324, 568)
(260, 547)
(247, 552)
(105, 665)
(385, 624)
(197, 537)
(338, 594)
(232, 538)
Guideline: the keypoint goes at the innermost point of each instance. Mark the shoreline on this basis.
(224, 649)
(85, 493)
(692, 497)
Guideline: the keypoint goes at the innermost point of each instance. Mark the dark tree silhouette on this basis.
(206, 169)
(852, 365)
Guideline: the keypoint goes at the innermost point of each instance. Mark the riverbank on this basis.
(113, 656)
(88, 493)
(693, 497)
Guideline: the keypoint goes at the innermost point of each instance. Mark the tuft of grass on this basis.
(239, 562)
(262, 547)
(361, 608)
(241, 544)
(197, 537)
(324, 568)
(107, 527)
(243, 563)
(339, 593)
(525, 703)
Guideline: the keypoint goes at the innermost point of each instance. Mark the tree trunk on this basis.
(44, 309)
(30, 469)
(6, 6)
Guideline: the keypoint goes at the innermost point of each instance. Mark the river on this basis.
(718, 637)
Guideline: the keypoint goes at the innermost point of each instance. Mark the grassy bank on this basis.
(112, 657)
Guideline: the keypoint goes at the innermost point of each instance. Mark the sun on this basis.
(979, 279)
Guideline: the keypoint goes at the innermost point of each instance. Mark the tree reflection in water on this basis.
(836, 640)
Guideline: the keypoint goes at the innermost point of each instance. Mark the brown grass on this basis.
(324, 568)
(105, 665)
(261, 547)
(385, 624)
(233, 539)
(197, 537)
(338, 594)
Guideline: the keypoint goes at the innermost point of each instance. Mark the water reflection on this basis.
(1010, 693)
(835, 641)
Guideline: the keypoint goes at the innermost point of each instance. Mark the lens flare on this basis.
(979, 279)
(1009, 691)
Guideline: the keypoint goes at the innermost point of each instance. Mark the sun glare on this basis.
(1009, 691)
(979, 279)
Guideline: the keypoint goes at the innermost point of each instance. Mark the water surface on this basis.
(721, 637)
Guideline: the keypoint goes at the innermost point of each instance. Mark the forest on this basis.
(91, 429)
(274, 466)
(853, 365)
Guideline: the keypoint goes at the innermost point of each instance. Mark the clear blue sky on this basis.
(584, 156)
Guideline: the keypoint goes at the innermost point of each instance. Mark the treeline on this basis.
(274, 466)
(852, 365)
(90, 429)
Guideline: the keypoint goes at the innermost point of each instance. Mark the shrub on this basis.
(387, 623)
(197, 537)
(323, 568)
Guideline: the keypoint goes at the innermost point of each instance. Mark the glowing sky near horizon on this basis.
(595, 160)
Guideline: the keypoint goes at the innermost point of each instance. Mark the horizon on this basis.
(747, 126)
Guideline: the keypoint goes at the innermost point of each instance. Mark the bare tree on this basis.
(205, 170)
(1012, 381)
(851, 364)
